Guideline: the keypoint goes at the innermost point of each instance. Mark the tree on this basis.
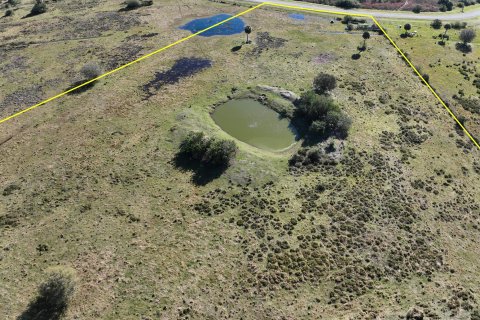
(467, 35)
(461, 5)
(447, 27)
(436, 24)
(366, 36)
(324, 82)
(248, 30)
(13, 2)
(407, 28)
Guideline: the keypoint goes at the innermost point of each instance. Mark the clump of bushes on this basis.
(323, 116)
(209, 151)
(53, 295)
(39, 8)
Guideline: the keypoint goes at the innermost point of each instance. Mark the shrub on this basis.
(208, 150)
(324, 82)
(9, 13)
(38, 8)
(436, 24)
(13, 2)
(318, 128)
(343, 125)
(459, 25)
(133, 4)
(347, 19)
(220, 152)
(417, 9)
(53, 296)
(194, 145)
(346, 4)
(315, 107)
(324, 116)
(467, 35)
(91, 71)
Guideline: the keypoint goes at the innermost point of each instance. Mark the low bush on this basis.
(9, 13)
(324, 82)
(323, 116)
(91, 71)
(459, 25)
(38, 8)
(436, 24)
(209, 151)
(133, 4)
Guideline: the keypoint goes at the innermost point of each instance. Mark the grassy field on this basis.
(452, 72)
(89, 181)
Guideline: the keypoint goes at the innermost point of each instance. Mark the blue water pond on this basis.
(233, 26)
(297, 16)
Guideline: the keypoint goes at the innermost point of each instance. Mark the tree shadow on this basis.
(236, 48)
(85, 88)
(41, 309)
(202, 173)
(463, 47)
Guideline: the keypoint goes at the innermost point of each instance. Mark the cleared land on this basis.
(90, 182)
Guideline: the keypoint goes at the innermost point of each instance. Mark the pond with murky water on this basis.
(250, 121)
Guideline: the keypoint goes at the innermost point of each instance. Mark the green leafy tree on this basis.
(407, 28)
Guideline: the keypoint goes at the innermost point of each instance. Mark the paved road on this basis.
(383, 14)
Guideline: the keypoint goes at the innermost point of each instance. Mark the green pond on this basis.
(250, 121)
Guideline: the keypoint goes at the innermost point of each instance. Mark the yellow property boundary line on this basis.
(236, 16)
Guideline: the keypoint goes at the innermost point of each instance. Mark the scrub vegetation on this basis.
(153, 212)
